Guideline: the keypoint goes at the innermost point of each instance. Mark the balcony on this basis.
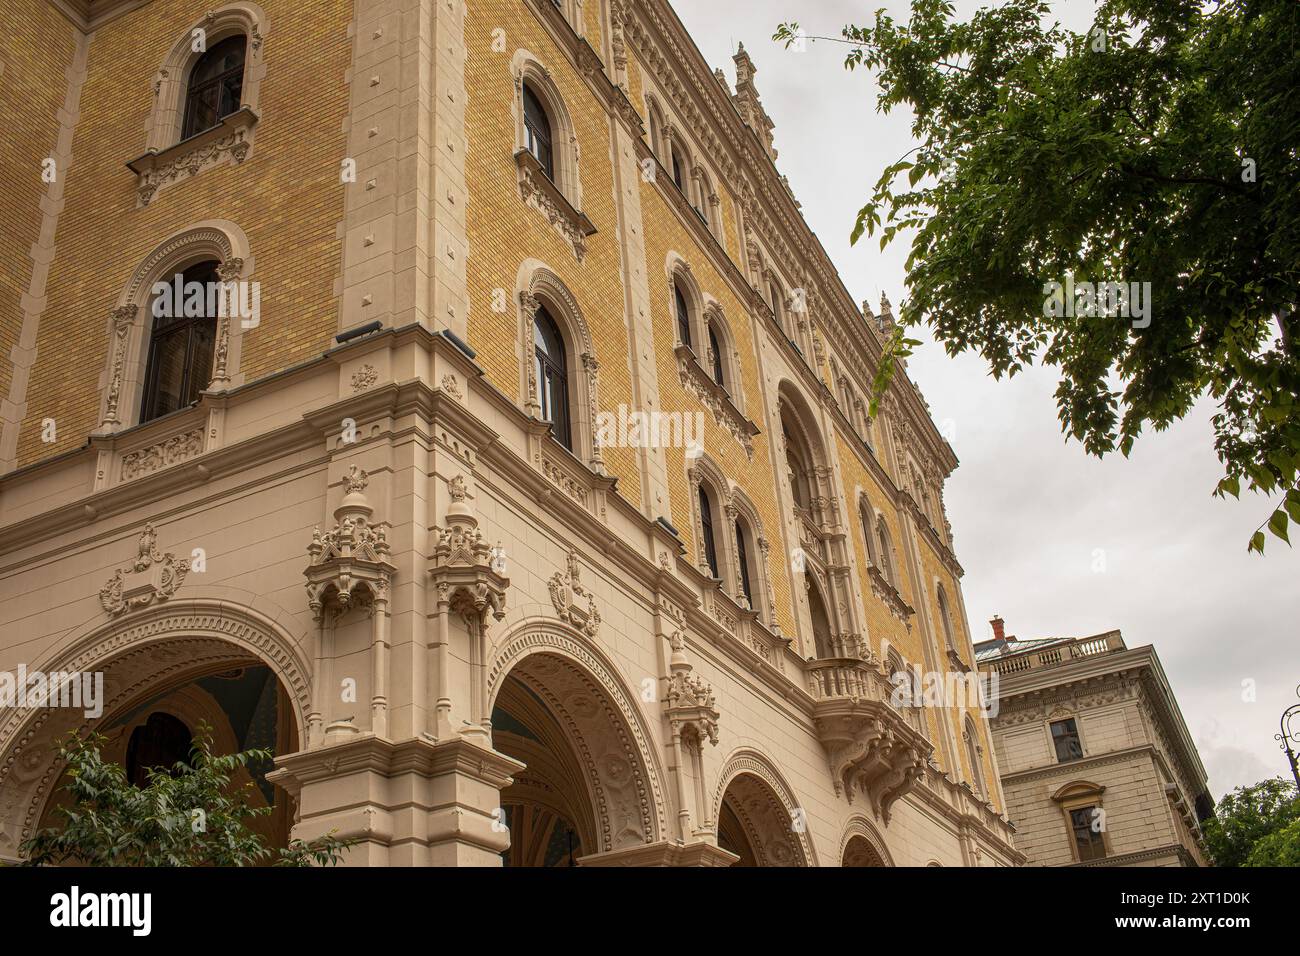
(874, 751)
(1054, 654)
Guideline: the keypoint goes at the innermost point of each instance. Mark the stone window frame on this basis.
(1056, 717)
(1079, 795)
(538, 283)
(168, 158)
(705, 474)
(527, 69)
(975, 753)
(739, 508)
(129, 325)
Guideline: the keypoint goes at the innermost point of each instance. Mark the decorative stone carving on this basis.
(364, 378)
(566, 591)
(715, 398)
(231, 138)
(151, 577)
(349, 563)
(465, 564)
(162, 455)
(123, 319)
(689, 704)
(872, 749)
(451, 385)
(537, 190)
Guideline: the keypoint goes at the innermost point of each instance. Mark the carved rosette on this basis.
(151, 578)
(349, 563)
(568, 594)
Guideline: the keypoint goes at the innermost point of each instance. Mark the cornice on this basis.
(89, 15)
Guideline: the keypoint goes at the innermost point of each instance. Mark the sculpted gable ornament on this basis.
(690, 704)
(566, 591)
(151, 577)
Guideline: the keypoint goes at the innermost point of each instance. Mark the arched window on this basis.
(821, 622)
(537, 132)
(181, 342)
(972, 754)
(216, 86)
(710, 540)
(161, 741)
(742, 561)
(715, 349)
(886, 552)
(798, 470)
(945, 618)
(866, 515)
(679, 176)
(683, 315)
(552, 376)
(778, 303)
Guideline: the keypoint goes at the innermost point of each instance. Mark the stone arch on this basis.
(539, 284)
(138, 653)
(862, 845)
(742, 510)
(586, 695)
(704, 475)
(129, 324)
(767, 810)
(171, 81)
(715, 319)
(528, 70)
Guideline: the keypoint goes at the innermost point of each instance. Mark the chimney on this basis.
(998, 628)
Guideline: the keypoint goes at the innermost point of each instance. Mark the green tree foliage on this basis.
(1159, 147)
(1256, 826)
(190, 814)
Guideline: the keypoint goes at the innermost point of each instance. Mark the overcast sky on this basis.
(1031, 513)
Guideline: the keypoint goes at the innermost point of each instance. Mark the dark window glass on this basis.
(683, 316)
(821, 622)
(216, 84)
(1087, 834)
(552, 376)
(706, 521)
(181, 347)
(742, 556)
(678, 178)
(162, 741)
(537, 133)
(1065, 735)
(718, 375)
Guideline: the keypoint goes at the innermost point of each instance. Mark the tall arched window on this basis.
(821, 622)
(710, 539)
(742, 560)
(972, 754)
(181, 342)
(798, 469)
(945, 618)
(552, 370)
(679, 176)
(866, 515)
(778, 302)
(719, 375)
(216, 86)
(537, 132)
(683, 315)
(886, 552)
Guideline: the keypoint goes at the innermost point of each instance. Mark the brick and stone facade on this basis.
(364, 546)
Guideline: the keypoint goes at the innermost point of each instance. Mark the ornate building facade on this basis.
(1097, 764)
(516, 487)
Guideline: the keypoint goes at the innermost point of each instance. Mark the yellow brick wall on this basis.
(503, 230)
(286, 196)
(36, 48)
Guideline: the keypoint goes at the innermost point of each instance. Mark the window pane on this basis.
(706, 521)
(742, 555)
(1065, 736)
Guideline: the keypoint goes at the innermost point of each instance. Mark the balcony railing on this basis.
(1057, 654)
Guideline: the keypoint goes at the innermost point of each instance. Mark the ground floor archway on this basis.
(758, 819)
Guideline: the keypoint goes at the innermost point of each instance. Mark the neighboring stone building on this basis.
(1097, 765)
(397, 519)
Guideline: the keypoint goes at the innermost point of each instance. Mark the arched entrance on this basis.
(757, 818)
(590, 785)
(169, 664)
(862, 845)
